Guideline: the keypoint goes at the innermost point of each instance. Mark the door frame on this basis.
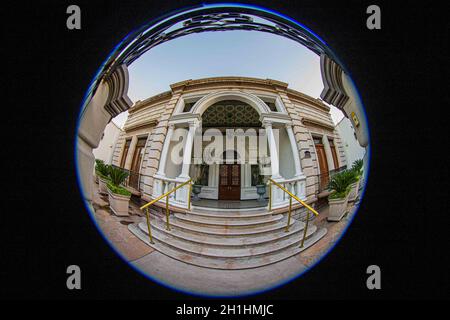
(220, 193)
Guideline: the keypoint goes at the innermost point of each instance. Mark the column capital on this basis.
(267, 124)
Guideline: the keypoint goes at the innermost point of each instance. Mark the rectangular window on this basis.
(272, 106)
(188, 106)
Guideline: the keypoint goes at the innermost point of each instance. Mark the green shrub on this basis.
(357, 166)
(102, 169)
(340, 183)
(118, 189)
(117, 175)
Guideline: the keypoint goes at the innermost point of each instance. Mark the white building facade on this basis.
(105, 149)
(166, 137)
(353, 150)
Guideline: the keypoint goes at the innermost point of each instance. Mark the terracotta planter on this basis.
(118, 203)
(337, 208)
(102, 189)
(354, 190)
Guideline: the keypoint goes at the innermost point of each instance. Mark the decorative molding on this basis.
(308, 121)
(146, 124)
(333, 91)
(118, 100)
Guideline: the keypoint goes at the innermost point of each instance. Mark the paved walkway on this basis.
(116, 228)
(204, 280)
(215, 282)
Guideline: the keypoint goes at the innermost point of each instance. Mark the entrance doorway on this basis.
(135, 164)
(323, 164)
(230, 182)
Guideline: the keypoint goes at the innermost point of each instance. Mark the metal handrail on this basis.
(167, 194)
(271, 181)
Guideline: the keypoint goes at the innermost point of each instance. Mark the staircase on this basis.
(228, 239)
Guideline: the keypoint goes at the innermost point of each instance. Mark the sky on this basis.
(227, 53)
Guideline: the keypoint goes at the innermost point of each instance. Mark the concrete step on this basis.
(226, 242)
(229, 222)
(231, 215)
(249, 230)
(200, 249)
(230, 263)
(248, 211)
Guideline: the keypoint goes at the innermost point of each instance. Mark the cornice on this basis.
(317, 123)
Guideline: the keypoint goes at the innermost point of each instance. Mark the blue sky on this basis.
(228, 53)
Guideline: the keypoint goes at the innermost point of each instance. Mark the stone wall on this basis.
(151, 116)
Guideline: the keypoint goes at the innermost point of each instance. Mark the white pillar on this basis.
(277, 193)
(187, 152)
(326, 146)
(162, 161)
(297, 164)
(274, 159)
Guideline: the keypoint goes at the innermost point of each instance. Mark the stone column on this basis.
(187, 152)
(329, 154)
(298, 167)
(277, 193)
(300, 184)
(274, 159)
(162, 162)
(92, 124)
(109, 99)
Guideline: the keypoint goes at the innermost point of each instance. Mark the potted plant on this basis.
(197, 186)
(338, 198)
(354, 187)
(97, 162)
(102, 172)
(119, 197)
(260, 184)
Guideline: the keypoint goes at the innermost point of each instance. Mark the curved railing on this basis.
(292, 196)
(166, 195)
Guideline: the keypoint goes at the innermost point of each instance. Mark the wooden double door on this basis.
(133, 180)
(230, 182)
(323, 163)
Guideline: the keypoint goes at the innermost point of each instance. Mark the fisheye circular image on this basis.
(222, 150)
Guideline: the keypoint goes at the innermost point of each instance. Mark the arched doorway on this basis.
(238, 125)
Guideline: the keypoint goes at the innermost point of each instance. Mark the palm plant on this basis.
(102, 169)
(357, 166)
(340, 183)
(117, 175)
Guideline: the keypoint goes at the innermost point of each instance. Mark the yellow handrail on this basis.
(290, 207)
(147, 205)
(293, 196)
(165, 194)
